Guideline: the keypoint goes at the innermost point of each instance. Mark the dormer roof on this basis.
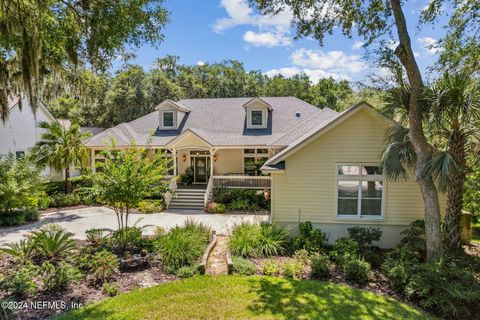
(174, 104)
(258, 100)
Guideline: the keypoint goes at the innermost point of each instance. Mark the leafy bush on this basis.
(187, 177)
(100, 266)
(182, 246)
(373, 255)
(472, 194)
(364, 236)
(22, 251)
(356, 269)
(241, 199)
(321, 266)
(150, 206)
(243, 266)
(446, 289)
(58, 277)
(53, 242)
(95, 237)
(309, 238)
(239, 204)
(293, 269)
(21, 280)
(399, 266)
(302, 255)
(18, 217)
(414, 236)
(58, 200)
(213, 207)
(344, 247)
(251, 240)
(129, 238)
(188, 271)
(271, 267)
(110, 289)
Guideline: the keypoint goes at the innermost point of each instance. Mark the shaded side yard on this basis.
(240, 297)
(78, 221)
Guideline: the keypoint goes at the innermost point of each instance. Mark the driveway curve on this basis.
(77, 221)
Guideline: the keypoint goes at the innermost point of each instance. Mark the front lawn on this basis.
(240, 297)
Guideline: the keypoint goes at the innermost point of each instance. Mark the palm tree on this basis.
(453, 109)
(60, 148)
(454, 103)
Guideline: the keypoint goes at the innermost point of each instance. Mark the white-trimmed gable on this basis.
(171, 114)
(257, 112)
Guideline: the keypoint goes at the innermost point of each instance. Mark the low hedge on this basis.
(241, 199)
(18, 217)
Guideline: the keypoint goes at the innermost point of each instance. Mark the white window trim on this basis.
(256, 155)
(359, 178)
(264, 119)
(173, 126)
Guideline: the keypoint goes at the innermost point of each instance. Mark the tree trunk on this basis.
(456, 147)
(68, 184)
(420, 144)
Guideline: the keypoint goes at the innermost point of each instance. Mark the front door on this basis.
(200, 169)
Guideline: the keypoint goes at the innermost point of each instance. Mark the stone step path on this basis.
(217, 261)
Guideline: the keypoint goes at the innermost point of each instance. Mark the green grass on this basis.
(240, 297)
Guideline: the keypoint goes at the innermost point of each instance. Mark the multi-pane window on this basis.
(253, 160)
(168, 119)
(360, 191)
(257, 117)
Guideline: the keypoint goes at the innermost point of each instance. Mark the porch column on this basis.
(174, 153)
(212, 152)
(92, 160)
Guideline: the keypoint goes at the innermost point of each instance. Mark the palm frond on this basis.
(398, 156)
(439, 168)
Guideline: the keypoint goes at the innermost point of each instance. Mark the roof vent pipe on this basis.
(297, 114)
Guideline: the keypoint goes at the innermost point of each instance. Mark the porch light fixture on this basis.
(215, 158)
(184, 157)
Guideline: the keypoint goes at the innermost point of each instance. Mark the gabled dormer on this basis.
(171, 114)
(257, 112)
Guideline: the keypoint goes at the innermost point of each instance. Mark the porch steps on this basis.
(188, 199)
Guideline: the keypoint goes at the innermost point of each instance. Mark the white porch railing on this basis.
(248, 182)
(208, 191)
(172, 187)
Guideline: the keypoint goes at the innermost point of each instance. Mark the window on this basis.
(168, 119)
(359, 191)
(256, 117)
(253, 160)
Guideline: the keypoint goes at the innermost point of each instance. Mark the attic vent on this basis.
(297, 114)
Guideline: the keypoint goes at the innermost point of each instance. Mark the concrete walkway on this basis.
(78, 221)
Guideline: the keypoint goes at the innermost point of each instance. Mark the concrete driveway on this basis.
(79, 220)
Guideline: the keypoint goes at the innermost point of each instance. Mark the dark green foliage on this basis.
(250, 240)
(471, 196)
(53, 242)
(365, 236)
(65, 200)
(309, 238)
(414, 236)
(129, 239)
(241, 199)
(187, 178)
(243, 266)
(187, 271)
(444, 287)
(344, 247)
(20, 281)
(399, 266)
(100, 266)
(321, 266)
(182, 246)
(356, 269)
(18, 217)
(22, 251)
(57, 277)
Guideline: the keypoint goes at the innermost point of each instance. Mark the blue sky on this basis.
(210, 31)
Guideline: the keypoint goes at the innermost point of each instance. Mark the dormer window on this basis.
(168, 119)
(257, 117)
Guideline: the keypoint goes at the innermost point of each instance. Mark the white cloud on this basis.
(357, 45)
(200, 63)
(429, 44)
(318, 64)
(267, 39)
(273, 30)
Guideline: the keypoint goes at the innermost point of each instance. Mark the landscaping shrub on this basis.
(373, 255)
(356, 269)
(188, 271)
(446, 289)
(241, 199)
(58, 200)
(302, 255)
(399, 266)
(364, 236)
(59, 276)
(309, 238)
(187, 177)
(100, 266)
(20, 281)
(293, 269)
(18, 217)
(182, 246)
(243, 266)
(129, 238)
(414, 236)
(213, 207)
(321, 266)
(344, 247)
(110, 289)
(239, 204)
(53, 242)
(150, 206)
(271, 267)
(95, 237)
(22, 251)
(251, 240)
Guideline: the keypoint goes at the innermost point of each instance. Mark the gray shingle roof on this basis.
(221, 122)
